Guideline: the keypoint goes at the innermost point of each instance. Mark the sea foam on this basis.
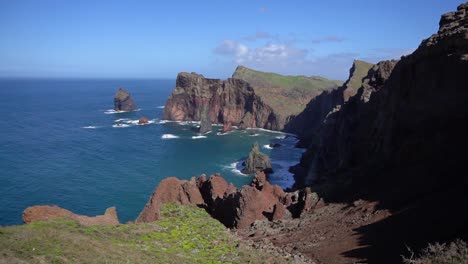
(169, 136)
(120, 125)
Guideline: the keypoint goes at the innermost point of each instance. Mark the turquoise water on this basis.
(62, 144)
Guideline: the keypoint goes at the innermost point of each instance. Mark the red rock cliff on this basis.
(230, 101)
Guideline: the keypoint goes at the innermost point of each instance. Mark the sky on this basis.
(158, 39)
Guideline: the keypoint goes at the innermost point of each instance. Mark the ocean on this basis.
(62, 144)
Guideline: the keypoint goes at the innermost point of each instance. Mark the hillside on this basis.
(287, 95)
(307, 123)
(183, 235)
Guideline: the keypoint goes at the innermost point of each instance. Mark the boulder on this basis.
(47, 212)
(143, 120)
(257, 161)
(123, 101)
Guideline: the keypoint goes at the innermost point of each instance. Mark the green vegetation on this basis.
(288, 95)
(360, 71)
(184, 235)
(453, 253)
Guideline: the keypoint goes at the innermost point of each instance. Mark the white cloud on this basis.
(288, 58)
(269, 53)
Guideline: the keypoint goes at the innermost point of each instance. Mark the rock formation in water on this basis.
(231, 101)
(234, 208)
(205, 122)
(46, 212)
(235, 102)
(257, 161)
(123, 101)
(143, 120)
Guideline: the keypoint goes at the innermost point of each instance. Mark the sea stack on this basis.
(257, 161)
(205, 122)
(123, 101)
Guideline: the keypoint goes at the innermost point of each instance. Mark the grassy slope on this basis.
(184, 235)
(287, 95)
(361, 68)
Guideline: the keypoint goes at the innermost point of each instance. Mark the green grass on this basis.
(183, 235)
(361, 68)
(287, 95)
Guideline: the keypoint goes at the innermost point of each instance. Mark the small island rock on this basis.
(143, 120)
(257, 161)
(123, 101)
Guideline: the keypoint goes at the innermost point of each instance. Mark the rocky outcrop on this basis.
(234, 102)
(205, 122)
(336, 133)
(230, 101)
(46, 212)
(123, 101)
(234, 208)
(143, 120)
(257, 161)
(227, 127)
(401, 109)
(170, 190)
(307, 123)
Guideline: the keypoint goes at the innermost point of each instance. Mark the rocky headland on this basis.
(269, 102)
(123, 101)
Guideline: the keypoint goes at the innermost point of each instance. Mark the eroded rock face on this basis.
(405, 118)
(230, 101)
(123, 101)
(205, 122)
(257, 161)
(170, 190)
(227, 127)
(47, 212)
(307, 124)
(234, 208)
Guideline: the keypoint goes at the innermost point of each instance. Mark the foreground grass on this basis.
(184, 235)
(288, 95)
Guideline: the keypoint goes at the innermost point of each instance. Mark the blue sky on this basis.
(156, 39)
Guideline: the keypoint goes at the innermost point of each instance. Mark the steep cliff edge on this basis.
(307, 123)
(230, 101)
(249, 99)
(401, 141)
(287, 95)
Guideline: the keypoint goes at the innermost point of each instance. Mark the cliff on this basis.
(400, 141)
(229, 101)
(287, 95)
(307, 123)
(249, 99)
